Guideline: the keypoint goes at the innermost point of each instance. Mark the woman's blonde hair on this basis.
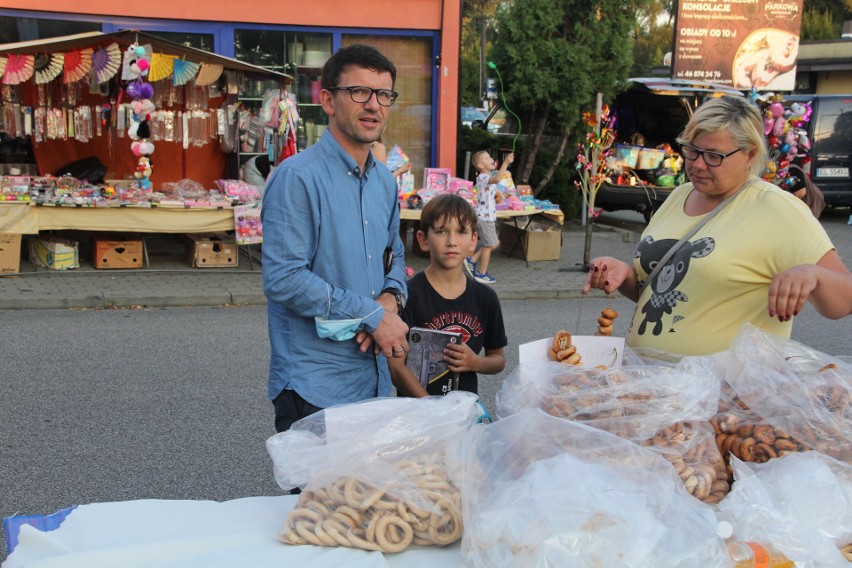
(739, 118)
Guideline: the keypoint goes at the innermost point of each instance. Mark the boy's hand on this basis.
(461, 358)
(509, 159)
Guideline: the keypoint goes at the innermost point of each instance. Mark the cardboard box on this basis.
(55, 252)
(211, 250)
(540, 241)
(117, 251)
(10, 253)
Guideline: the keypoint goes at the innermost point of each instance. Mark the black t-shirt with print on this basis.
(476, 314)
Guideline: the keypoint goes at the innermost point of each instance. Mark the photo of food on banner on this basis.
(785, 128)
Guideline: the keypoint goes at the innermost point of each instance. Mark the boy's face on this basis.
(486, 163)
(448, 244)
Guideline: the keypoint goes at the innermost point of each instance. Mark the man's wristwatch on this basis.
(400, 299)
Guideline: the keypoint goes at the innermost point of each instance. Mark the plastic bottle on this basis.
(751, 554)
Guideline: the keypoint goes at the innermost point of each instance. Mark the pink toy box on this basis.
(436, 180)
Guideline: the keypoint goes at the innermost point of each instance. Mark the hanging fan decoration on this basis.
(48, 67)
(106, 62)
(209, 73)
(19, 68)
(77, 64)
(162, 66)
(3, 62)
(185, 71)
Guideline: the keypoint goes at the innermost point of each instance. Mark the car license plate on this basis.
(832, 172)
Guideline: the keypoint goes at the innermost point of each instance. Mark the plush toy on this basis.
(769, 171)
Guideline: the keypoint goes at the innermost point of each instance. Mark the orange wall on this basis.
(442, 15)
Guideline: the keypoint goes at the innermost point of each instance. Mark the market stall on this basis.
(73, 96)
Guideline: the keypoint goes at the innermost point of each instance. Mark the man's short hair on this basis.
(446, 207)
(357, 54)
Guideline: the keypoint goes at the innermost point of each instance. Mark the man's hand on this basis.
(390, 336)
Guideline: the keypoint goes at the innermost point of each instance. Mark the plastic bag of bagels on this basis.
(544, 491)
(664, 408)
(780, 396)
(376, 475)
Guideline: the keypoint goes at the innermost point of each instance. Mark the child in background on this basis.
(486, 212)
(442, 297)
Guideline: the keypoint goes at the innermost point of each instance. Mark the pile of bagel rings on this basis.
(353, 513)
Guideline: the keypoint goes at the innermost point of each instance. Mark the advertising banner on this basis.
(740, 43)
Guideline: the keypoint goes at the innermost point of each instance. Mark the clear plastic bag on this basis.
(801, 504)
(782, 397)
(377, 475)
(663, 408)
(541, 491)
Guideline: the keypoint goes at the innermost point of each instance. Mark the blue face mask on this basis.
(338, 330)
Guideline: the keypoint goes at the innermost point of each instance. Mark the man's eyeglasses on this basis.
(712, 159)
(384, 97)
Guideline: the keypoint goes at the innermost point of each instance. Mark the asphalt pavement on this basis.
(168, 281)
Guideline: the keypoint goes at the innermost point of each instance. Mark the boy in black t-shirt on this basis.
(443, 297)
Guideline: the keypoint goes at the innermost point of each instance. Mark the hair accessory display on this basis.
(48, 67)
(106, 62)
(19, 68)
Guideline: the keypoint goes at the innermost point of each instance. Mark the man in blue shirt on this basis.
(330, 219)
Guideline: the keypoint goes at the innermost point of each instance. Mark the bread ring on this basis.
(446, 527)
(561, 340)
(609, 313)
(574, 359)
(393, 534)
(303, 513)
(604, 330)
(357, 541)
(552, 354)
(565, 353)
(305, 530)
(604, 322)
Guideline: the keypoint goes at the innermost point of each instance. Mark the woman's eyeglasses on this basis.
(361, 95)
(712, 159)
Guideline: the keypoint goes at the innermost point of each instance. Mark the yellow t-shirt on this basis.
(720, 278)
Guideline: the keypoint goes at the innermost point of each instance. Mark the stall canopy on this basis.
(172, 160)
(127, 37)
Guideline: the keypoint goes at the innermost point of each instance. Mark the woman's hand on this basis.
(790, 289)
(610, 274)
(827, 284)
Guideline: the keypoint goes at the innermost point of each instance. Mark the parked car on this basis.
(830, 132)
(471, 115)
(651, 112)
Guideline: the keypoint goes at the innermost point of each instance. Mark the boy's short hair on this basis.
(475, 159)
(445, 207)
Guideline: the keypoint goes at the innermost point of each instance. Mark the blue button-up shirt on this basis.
(326, 226)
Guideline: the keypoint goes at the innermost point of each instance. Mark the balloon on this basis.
(140, 51)
(147, 91)
(143, 64)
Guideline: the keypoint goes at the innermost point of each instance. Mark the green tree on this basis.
(477, 31)
(554, 56)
